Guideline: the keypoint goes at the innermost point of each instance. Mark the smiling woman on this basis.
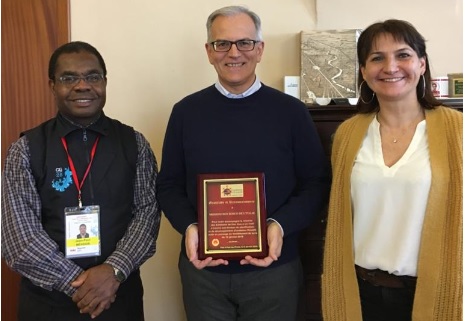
(393, 69)
(397, 176)
(392, 58)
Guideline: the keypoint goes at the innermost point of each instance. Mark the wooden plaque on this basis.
(232, 215)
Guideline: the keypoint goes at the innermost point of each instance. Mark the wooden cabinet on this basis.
(327, 119)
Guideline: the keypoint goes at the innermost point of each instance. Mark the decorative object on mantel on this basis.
(322, 101)
(353, 100)
(455, 85)
(440, 87)
(337, 105)
(292, 86)
(329, 66)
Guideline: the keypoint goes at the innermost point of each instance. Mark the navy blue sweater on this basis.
(269, 132)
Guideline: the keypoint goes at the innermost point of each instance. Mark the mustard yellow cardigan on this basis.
(439, 286)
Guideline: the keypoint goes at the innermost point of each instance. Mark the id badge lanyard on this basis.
(73, 169)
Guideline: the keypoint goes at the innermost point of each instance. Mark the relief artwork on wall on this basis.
(329, 66)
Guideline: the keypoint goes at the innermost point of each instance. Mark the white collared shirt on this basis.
(254, 88)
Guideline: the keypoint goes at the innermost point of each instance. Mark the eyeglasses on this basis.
(72, 80)
(241, 45)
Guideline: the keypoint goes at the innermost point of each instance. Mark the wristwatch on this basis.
(119, 276)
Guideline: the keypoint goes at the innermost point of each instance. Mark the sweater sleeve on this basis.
(312, 172)
(171, 181)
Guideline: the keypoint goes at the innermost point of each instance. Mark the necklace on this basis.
(404, 131)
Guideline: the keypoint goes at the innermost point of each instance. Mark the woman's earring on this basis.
(360, 94)
(424, 86)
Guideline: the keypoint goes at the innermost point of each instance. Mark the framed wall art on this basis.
(329, 66)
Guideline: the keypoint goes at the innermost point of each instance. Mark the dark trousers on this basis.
(35, 306)
(385, 304)
(271, 294)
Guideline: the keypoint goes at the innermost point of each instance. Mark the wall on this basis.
(440, 23)
(154, 51)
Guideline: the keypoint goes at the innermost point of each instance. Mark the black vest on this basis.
(110, 182)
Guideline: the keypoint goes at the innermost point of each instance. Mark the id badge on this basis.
(82, 226)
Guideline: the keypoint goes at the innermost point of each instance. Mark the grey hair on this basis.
(232, 11)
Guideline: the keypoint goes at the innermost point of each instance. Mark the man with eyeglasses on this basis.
(79, 168)
(239, 125)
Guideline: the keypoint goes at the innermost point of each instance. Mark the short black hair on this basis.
(73, 47)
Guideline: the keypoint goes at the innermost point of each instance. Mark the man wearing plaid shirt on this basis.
(80, 167)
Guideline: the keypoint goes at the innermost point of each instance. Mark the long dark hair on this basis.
(401, 31)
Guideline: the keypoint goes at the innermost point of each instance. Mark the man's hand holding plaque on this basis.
(275, 243)
(192, 247)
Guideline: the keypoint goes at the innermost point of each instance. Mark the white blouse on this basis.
(389, 203)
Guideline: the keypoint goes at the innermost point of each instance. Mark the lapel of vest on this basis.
(104, 158)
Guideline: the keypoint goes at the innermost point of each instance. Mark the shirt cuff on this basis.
(189, 226)
(270, 220)
(65, 286)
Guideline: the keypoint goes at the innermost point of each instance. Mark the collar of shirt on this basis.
(254, 88)
(66, 126)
